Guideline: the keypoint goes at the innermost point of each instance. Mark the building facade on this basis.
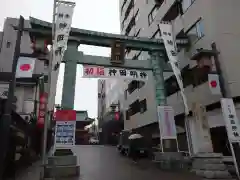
(110, 103)
(101, 101)
(203, 22)
(27, 89)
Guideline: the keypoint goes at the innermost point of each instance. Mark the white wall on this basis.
(215, 119)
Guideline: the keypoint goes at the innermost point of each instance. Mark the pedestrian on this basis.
(133, 150)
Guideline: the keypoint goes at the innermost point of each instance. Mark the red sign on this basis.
(94, 71)
(42, 108)
(25, 67)
(213, 83)
(66, 115)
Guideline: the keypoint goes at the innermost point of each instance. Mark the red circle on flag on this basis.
(25, 67)
(213, 84)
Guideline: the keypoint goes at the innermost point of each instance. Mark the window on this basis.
(127, 115)
(186, 4)
(137, 33)
(196, 32)
(200, 75)
(159, 2)
(127, 51)
(133, 85)
(143, 106)
(152, 14)
(130, 26)
(137, 15)
(28, 93)
(137, 55)
(171, 86)
(124, 3)
(156, 34)
(125, 94)
(141, 84)
(129, 8)
(8, 44)
(123, 24)
(135, 107)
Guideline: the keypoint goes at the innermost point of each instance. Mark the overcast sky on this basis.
(88, 14)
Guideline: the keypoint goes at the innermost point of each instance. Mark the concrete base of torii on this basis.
(63, 164)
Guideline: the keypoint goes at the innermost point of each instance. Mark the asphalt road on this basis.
(105, 163)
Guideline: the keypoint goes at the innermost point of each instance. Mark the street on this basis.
(105, 163)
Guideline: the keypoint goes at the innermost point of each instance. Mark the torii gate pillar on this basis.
(157, 59)
(68, 93)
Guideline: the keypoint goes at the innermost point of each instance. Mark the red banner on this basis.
(41, 109)
(66, 115)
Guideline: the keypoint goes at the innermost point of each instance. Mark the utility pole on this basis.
(5, 122)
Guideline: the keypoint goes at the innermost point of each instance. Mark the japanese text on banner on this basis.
(170, 46)
(231, 119)
(106, 72)
(62, 30)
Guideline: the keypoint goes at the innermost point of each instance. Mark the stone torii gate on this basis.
(157, 62)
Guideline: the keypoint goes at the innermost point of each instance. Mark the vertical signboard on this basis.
(42, 108)
(42, 103)
(64, 14)
(231, 119)
(166, 122)
(117, 52)
(170, 46)
(65, 129)
(233, 129)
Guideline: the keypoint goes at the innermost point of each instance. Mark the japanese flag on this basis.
(25, 67)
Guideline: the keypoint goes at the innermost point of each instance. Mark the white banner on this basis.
(231, 119)
(64, 14)
(170, 46)
(167, 122)
(111, 72)
(65, 134)
(25, 67)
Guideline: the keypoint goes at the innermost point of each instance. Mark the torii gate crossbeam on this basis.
(72, 56)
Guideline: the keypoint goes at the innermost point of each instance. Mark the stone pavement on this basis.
(105, 163)
(31, 173)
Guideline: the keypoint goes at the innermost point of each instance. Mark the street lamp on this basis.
(209, 58)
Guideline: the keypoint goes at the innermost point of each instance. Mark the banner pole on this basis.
(45, 130)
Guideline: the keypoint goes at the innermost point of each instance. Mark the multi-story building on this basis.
(27, 89)
(204, 22)
(101, 101)
(110, 96)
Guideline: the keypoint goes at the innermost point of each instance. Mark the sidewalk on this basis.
(31, 173)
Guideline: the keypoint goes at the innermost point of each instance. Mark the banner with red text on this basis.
(112, 72)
